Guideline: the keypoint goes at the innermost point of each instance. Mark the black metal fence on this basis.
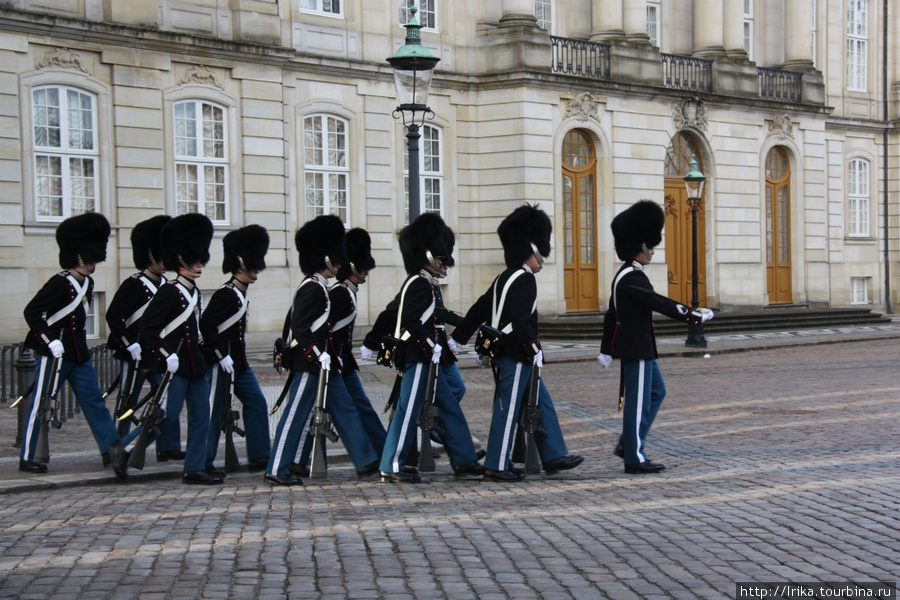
(687, 72)
(777, 84)
(578, 57)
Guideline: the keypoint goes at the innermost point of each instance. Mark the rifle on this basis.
(48, 413)
(529, 426)
(230, 425)
(150, 418)
(126, 397)
(320, 428)
(427, 422)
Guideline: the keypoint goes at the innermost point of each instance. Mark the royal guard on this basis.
(56, 317)
(320, 245)
(224, 329)
(628, 330)
(170, 335)
(510, 306)
(123, 315)
(426, 255)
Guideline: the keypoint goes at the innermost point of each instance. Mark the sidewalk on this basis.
(75, 461)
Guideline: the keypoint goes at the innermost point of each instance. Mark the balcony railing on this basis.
(687, 72)
(578, 57)
(776, 84)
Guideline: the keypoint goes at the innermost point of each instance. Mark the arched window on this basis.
(326, 170)
(431, 172)
(858, 197)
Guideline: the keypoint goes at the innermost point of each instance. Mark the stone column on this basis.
(733, 29)
(607, 20)
(797, 49)
(708, 28)
(635, 20)
(518, 12)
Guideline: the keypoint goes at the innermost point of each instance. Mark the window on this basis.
(65, 152)
(653, 21)
(857, 33)
(858, 197)
(812, 30)
(431, 178)
(859, 290)
(325, 166)
(427, 15)
(542, 12)
(201, 161)
(748, 28)
(91, 321)
(325, 7)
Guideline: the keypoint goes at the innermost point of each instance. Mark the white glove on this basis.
(478, 361)
(172, 363)
(325, 361)
(455, 347)
(135, 351)
(539, 359)
(605, 360)
(707, 315)
(366, 354)
(436, 354)
(227, 364)
(56, 348)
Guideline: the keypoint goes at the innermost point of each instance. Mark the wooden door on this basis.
(679, 225)
(778, 227)
(582, 287)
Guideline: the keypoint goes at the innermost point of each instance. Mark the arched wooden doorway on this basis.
(678, 223)
(778, 226)
(579, 172)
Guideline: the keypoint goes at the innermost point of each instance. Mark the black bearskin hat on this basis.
(638, 225)
(524, 226)
(83, 236)
(316, 239)
(427, 232)
(146, 247)
(185, 241)
(359, 253)
(245, 248)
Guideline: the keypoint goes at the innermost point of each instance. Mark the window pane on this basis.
(48, 186)
(337, 143)
(46, 118)
(185, 129)
(213, 132)
(312, 141)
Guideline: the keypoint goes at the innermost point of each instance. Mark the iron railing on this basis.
(777, 84)
(578, 57)
(687, 72)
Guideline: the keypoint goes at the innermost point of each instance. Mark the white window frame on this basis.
(326, 166)
(748, 28)
(431, 171)
(857, 45)
(858, 198)
(859, 290)
(92, 317)
(66, 192)
(322, 7)
(654, 11)
(813, 48)
(426, 16)
(545, 18)
(207, 166)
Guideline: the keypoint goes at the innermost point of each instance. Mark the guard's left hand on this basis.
(455, 347)
(227, 364)
(135, 351)
(539, 359)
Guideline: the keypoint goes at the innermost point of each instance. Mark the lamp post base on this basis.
(695, 337)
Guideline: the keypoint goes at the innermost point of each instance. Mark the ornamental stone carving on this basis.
(200, 74)
(781, 127)
(584, 107)
(691, 112)
(63, 58)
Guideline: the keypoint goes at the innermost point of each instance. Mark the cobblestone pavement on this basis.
(783, 465)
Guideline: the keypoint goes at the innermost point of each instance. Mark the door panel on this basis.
(778, 227)
(678, 245)
(580, 271)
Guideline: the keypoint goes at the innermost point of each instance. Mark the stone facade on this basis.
(502, 111)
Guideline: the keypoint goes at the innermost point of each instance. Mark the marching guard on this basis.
(123, 315)
(56, 318)
(320, 245)
(628, 330)
(223, 326)
(426, 254)
(170, 335)
(510, 306)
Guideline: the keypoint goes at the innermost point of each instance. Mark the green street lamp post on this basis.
(694, 182)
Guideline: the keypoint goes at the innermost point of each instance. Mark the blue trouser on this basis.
(369, 419)
(83, 380)
(508, 400)
(140, 375)
(644, 393)
(193, 391)
(170, 426)
(292, 426)
(401, 431)
(455, 381)
(255, 413)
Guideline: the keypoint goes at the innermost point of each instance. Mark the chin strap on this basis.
(434, 263)
(154, 263)
(353, 270)
(243, 267)
(537, 255)
(185, 266)
(330, 266)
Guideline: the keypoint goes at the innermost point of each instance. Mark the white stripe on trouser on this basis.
(640, 409)
(407, 417)
(510, 416)
(43, 365)
(279, 450)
